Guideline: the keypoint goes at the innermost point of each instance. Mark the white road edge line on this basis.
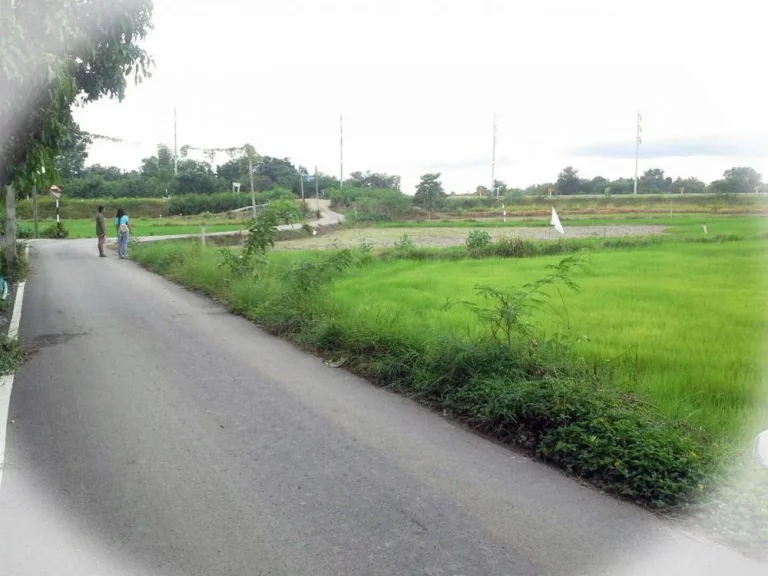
(6, 382)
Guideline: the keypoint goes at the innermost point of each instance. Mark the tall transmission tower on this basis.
(494, 192)
(637, 145)
(341, 151)
(175, 146)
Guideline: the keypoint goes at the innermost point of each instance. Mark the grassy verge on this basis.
(10, 356)
(86, 228)
(589, 414)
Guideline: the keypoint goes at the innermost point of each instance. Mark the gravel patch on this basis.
(444, 237)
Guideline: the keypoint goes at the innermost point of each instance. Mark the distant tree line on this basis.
(156, 178)
(736, 180)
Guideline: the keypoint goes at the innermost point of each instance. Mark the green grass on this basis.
(10, 356)
(683, 323)
(148, 226)
(659, 375)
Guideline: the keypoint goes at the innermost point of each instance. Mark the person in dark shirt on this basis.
(101, 231)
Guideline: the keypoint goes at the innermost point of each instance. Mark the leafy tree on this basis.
(689, 185)
(160, 165)
(596, 185)
(482, 191)
(568, 182)
(429, 192)
(539, 189)
(235, 170)
(653, 181)
(499, 188)
(280, 170)
(70, 161)
(196, 178)
(54, 53)
(373, 180)
(741, 180)
(622, 186)
(110, 173)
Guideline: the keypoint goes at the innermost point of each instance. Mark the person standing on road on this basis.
(101, 230)
(123, 232)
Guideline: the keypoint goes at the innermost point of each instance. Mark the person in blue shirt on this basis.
(123, 233)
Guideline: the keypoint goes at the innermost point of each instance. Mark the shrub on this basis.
(24, 230)
(57, 230)
(74, 208)
(389, 203)
(405, 243)
(513, 247)
(478, 239)
(372, 217)
(190, 204)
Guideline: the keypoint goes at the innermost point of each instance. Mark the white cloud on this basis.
(418, 83)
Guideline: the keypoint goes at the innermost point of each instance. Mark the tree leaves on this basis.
(51, 52)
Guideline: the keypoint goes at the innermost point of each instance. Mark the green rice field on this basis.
(681, 323)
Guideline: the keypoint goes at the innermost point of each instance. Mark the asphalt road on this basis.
(152, 433)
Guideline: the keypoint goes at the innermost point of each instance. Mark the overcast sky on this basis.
(418, 82)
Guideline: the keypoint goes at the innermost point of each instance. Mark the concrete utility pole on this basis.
(341, 151)
(175, 146)
(637, 146)
(34, 211)
(10, 228)
(303, 202)
(493, 161)
(250, 173)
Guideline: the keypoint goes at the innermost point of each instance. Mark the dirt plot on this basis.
(443, 237)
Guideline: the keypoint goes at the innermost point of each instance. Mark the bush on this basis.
(24, 230)
(372, 217)
(390, 203)
(57, 231)
(478, 239)
(190, 204)
(73, 208)
(404, 244)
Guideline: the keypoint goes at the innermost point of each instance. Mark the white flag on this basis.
(761, 449)
(555, 221)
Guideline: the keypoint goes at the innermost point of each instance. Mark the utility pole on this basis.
(175, 146)
(317, 191)
(250, 173)
(34, 211)
(637, 147)
(303, 202)
(341, 151)
(493, 160)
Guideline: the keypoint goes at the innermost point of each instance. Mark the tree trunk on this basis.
(10, 229)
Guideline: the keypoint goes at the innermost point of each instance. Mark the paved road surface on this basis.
(152, 433)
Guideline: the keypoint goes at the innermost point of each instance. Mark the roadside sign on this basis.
(54, 191)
